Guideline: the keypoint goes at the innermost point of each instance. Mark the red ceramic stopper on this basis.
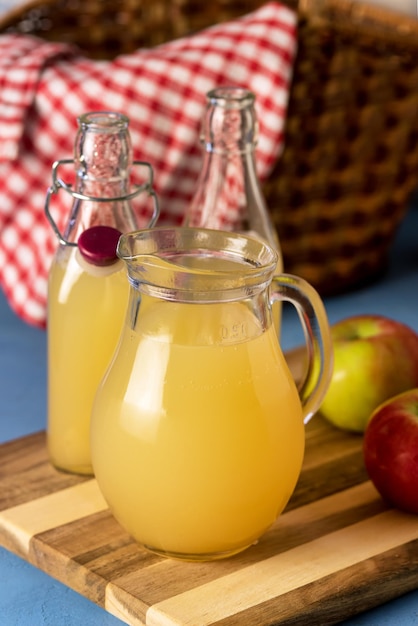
(98, 245)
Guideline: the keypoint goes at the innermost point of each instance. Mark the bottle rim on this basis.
(103, 120)
(231, 96)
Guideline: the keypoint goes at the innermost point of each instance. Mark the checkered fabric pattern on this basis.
(45, 86)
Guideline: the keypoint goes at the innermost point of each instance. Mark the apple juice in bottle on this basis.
(87, 287)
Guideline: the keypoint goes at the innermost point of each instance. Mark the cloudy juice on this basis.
(197, 429)
(86, 308)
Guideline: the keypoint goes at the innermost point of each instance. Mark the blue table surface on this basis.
(28, 596)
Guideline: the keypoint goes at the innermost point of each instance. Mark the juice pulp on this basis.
(85, 317)
(197, 429)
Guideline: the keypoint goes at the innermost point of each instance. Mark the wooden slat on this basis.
(284, 572)
(24, 521)
(25, 473)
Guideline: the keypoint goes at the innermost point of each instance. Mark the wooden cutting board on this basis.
(337, 550)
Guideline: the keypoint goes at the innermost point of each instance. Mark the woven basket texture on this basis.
(343, 183)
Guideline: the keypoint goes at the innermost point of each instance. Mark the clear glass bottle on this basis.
(88, 288)
(228, 194)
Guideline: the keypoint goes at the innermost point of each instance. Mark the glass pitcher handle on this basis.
(314, 320)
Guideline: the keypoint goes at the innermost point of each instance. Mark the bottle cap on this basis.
(98, 245)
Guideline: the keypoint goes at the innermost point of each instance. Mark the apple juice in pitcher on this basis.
(197, 431)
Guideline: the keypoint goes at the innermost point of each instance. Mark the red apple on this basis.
(375, 358)
(390, 449)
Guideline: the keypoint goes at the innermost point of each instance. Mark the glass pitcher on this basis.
(197, 432)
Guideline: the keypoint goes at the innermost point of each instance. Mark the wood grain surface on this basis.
(335, 551)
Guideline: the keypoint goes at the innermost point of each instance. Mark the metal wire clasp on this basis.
(58, 183)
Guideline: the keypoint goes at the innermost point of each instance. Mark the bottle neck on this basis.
(228, 195)
(86, 214)
(102, 162)
(227, 189)
(115, 187)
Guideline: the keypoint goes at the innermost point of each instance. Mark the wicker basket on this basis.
(350, 164)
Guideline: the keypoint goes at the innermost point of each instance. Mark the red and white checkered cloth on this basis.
(45, 86)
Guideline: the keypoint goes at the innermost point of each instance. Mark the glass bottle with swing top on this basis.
(87, 288)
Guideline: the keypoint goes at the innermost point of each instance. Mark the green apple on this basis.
(375, 358)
